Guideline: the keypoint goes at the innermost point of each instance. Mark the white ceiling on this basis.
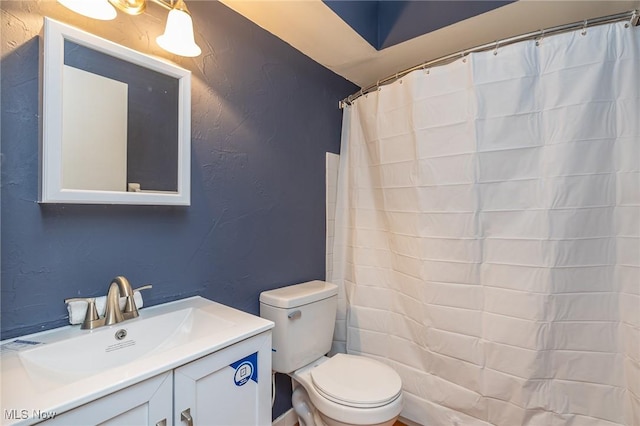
(315, 30)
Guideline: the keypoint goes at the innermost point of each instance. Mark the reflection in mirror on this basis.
(94, 131)
(142, 102)
(115, 123)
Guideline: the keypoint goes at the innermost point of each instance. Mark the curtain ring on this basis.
(495, 49)
(378, 85)
(584, 28)
(463, 56)
(539, 39)
(634, 21)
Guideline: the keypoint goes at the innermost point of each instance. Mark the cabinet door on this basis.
(146, 403)
(229, 387)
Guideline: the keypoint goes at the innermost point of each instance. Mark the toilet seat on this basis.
(356, 381)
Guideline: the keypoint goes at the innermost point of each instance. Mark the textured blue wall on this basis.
(263, 116)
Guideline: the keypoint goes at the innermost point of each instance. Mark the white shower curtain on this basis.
(488, 233)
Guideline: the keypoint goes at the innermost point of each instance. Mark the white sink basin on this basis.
(114, 346)
(61, 369)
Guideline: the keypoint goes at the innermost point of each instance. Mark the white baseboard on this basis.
(288, 418)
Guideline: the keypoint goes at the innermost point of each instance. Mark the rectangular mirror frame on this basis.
(50, 188)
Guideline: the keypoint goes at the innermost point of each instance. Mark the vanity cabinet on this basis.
(145, 403)
(231, 386)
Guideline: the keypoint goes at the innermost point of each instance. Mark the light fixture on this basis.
(178, 33)
(130, 7)
(96, 9)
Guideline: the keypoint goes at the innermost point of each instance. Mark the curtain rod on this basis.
(633, 16)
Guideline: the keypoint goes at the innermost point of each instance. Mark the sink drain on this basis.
(121, 334)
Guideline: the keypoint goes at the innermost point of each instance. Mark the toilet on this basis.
(333, 391)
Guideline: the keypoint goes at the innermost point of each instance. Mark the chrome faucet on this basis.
(118, 288)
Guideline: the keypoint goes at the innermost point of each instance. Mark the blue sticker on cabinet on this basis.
(246, 369)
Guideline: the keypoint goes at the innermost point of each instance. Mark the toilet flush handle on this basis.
(295, 314)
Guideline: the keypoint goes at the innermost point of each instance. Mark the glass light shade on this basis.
(178, 35)
(96, 9)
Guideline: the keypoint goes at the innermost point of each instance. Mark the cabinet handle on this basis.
(162, 422)
(185, 416)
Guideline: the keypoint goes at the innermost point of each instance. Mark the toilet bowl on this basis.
(351, 390)
(338, 391)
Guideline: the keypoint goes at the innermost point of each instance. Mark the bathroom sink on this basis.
(114, 346)
(57, 370)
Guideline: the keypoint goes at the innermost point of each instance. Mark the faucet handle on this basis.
(130, 308)
(91, 318)
(144, 287)
(79, 299)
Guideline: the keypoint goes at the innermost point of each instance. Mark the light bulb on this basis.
(178, 33)
(96, 9)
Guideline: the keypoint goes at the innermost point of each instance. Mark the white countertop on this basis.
(29, 393)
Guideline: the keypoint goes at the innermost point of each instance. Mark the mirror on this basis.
(115, 124)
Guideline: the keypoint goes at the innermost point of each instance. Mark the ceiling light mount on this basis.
(130, 7)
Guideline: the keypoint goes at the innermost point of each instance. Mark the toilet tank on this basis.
(304, 316)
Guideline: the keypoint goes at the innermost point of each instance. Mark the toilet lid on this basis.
(356, 381)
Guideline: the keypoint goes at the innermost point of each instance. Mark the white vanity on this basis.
(192, 361)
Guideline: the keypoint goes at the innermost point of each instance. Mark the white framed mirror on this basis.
(115, 124)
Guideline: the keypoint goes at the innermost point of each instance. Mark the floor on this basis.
(397, 423)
